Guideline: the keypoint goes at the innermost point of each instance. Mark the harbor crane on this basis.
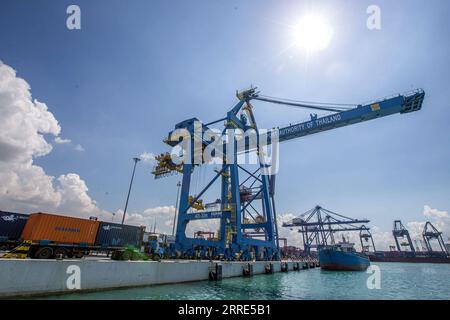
(401, 232)
(431, 233)
(245, 208)
(366, 240)
(319, 225)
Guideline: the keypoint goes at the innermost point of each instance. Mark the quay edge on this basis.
(34, 277)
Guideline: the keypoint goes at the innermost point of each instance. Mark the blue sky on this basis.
(118, 86)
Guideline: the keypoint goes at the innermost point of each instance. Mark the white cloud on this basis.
(59, 140)
(294, 238)
(162, 215)
(434, 213)
(73, 191)
(24, 121)
(147, 157)
(25, 187)
(79, 148)
(382, 239)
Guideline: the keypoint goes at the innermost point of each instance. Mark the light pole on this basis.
(136, 160)
(176, 208)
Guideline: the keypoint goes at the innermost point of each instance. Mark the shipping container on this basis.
(11, 225)
(52, 228)
(119, 235)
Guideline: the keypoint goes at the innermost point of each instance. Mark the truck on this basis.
(51, 235)
(156, 245)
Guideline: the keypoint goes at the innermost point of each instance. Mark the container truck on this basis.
(54, 235)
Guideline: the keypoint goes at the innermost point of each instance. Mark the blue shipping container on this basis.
(119, 235)
(11, 225)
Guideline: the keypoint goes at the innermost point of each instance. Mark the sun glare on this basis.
(312, 33)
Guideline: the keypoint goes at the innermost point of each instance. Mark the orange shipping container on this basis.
(60, 229)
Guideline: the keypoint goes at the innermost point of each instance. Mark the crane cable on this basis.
(333, 107)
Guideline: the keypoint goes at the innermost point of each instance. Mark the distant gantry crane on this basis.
(366, 240)
(319, 225)
(401, 232)
(431, 233)
(245, 205)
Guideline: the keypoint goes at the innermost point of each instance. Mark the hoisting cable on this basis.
(303, 104)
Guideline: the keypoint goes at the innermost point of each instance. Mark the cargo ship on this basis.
(408, 257)
(342, 257)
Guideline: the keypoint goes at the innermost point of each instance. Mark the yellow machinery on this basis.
(19, 252)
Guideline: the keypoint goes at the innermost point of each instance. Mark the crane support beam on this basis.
(323, 223)
(399, 104)
(208, 215)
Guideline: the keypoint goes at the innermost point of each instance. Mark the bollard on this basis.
(268, 268)
(215, 273)
(248, 271)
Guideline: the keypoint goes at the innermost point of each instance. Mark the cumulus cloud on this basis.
(162, 216)
(79, 148)
(24, 121)
(73, 191)
(434, 213)
(147, 157)
(25, 186)
(59, 140)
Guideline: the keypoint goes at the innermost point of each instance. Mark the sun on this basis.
(312, 33)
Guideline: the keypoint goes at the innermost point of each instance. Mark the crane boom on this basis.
(399, 104)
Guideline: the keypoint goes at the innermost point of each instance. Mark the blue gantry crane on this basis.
(366, 239)
(319, 225)
(431, 233)
(401, 232)
(244, 201)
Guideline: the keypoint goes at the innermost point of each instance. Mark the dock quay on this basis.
(39, 277)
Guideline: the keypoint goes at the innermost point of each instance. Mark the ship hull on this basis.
(406, 259)
(331, 259)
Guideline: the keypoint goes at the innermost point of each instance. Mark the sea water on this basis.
(396, 281)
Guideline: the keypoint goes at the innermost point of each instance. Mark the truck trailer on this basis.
(52, 235)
